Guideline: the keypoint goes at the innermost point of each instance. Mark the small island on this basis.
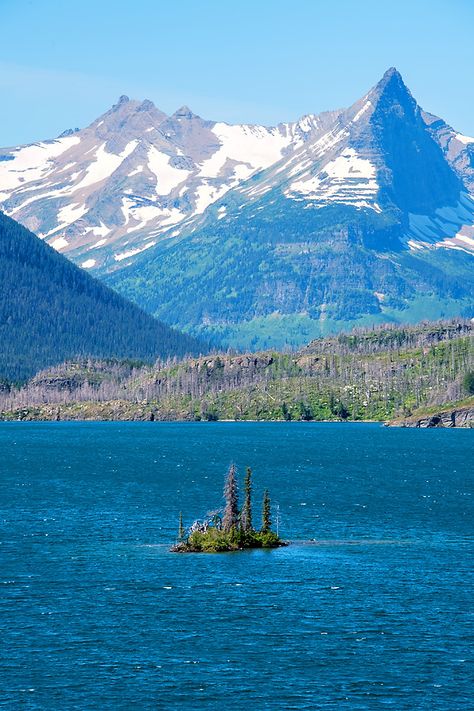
(230, 529)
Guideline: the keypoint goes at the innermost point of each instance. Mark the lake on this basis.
(370, 606)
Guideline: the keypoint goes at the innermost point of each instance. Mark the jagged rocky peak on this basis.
(69, 132)
(420, 178)
(191, 133)
(390, 90)
(184, 112)
(391, 75)
(391, 82)
(148, 108)
(122, 100)
(147, 105)
(130, 114)
(389, 96)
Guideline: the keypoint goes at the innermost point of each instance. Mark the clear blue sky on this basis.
(62, 63)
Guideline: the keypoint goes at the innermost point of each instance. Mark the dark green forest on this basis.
(51, 311)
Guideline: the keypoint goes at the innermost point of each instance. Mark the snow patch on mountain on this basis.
(100, 230)
(167, 176)
(361, 112)
(329, 140)
(206, 194)
(98, 244)
(348, 179)
(450, 227)
(32, 162)
(70, 213)
(104, 165)
(464, 139)
(256, 145)
(59, 243)
(132, 252)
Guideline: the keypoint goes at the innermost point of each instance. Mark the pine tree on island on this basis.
(231, 496)
(181, 531)
(266, 513)
(234, 530)
(246, 515)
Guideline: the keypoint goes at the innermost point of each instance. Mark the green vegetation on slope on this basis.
(374, 374)
(51, 310)
(251, 281)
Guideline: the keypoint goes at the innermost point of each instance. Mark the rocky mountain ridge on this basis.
(105, 193)
(258, 237)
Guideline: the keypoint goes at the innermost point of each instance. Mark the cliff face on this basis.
(459, 417)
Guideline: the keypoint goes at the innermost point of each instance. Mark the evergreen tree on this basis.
(231, 496)
(181, 532)
(246, 516)
(51, 311)
(266, 512)
(468, 382)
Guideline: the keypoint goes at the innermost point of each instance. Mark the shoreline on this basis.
(455, 415)
(402, 424)
(188, 421)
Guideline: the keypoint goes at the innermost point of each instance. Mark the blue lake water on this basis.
(95, 613)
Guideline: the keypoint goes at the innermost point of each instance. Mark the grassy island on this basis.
(230, 529)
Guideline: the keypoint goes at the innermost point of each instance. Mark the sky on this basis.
(63, 63)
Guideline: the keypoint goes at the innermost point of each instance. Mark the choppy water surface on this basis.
(95, 613)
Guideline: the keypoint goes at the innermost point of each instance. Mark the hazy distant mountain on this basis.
(50, 311)
(261, 236)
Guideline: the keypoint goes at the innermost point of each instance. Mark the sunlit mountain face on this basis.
(260, 236)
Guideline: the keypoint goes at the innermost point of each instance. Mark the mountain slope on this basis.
(51, 310)
(373, 374)
(103, 194)
(367, 222)
(260, 236)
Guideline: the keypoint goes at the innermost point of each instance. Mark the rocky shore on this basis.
(451, 417)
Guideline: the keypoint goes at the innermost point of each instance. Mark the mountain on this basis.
(104, 194)
(259, 236)
(51, 310)
(367, 222)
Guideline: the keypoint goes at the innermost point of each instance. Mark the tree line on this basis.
(373, 374)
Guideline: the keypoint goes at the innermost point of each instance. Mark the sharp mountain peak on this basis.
(124, 99)
(391, 85)
(184, 112)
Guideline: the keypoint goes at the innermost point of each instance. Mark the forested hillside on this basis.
(50, 311)
(370, 375)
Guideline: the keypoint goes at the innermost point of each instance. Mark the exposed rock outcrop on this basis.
(461, 417)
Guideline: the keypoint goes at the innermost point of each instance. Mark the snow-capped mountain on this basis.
(369, 219)
(257, 235)
(383, 154)
(103, 194)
